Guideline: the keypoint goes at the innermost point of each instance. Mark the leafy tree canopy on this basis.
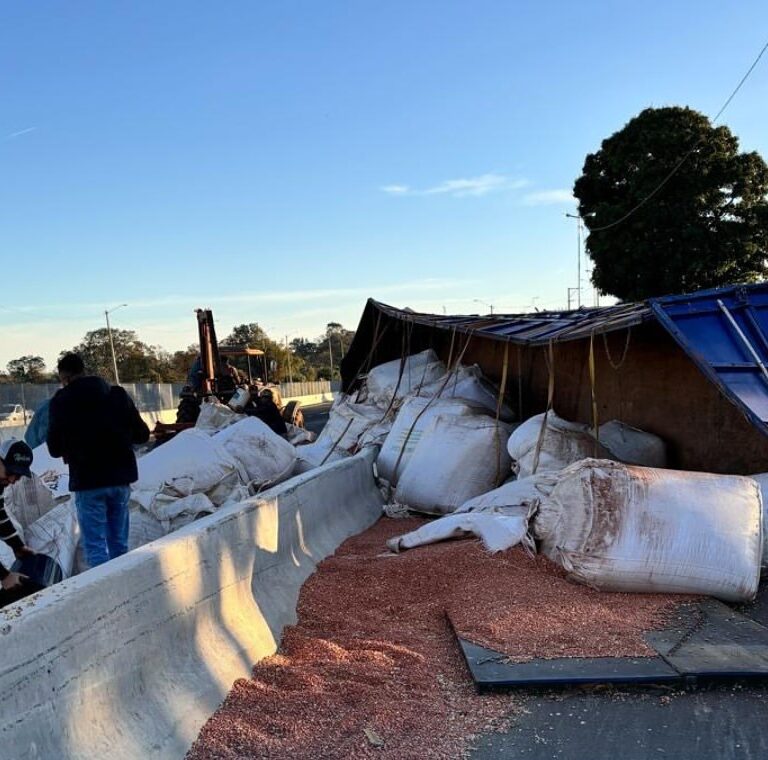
(707, 225)
(27, 369)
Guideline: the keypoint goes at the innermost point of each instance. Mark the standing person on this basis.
(15, 459)
(93, 426)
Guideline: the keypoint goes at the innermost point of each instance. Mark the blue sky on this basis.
(281, 162)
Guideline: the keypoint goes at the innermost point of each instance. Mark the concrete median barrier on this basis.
(130, 659)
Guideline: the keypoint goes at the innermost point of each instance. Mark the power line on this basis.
(687, 155)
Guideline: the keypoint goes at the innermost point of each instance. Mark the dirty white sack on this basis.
(397, 379)
(761, 478)
(266, 457)
(633, 446)
(28, 500)
(564, 442)
(497, 531)
(620, 527)
(52, 471)
(313, 455)
(469, 384)
(413, 418)
(347, 423)
(215, 416)
(191, 462)
(143, 528)
(457, 458)
(297, 435)
(513, 495)
(56, 534)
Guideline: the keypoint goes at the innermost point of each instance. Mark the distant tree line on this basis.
(299, 360)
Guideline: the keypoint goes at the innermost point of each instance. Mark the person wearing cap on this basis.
(93, 426)
(15, 459)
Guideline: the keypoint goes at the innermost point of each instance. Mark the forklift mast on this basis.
(209, 351)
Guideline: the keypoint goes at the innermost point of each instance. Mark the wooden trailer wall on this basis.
(644, 380)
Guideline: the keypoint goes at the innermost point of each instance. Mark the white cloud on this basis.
(395, 189)
(549, 198)
(463, 187)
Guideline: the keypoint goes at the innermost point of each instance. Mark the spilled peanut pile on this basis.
(372, 668)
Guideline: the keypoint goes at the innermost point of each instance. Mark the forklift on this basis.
(211, 376)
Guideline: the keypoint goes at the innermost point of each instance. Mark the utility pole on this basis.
(569, 297)
(290, 371)
(578, 256)
(107, 312)
(330, 352)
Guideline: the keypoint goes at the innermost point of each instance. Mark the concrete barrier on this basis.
(130, 659)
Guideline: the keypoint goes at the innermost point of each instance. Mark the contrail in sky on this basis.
(20, 133)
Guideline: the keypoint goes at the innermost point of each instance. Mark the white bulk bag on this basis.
(56, 534)
(52, 471)
(564, 442)
(265, 456)
(633, 446)
(386, 381)
(497, 532)
(313, 455)
(191, 462)
(514, 495)
(413, 418)
(28, 500)
(620, 527)
(469, 384)
(215, 416)
(457, 458)
(762, 481)
(143, 528)
(347, 422)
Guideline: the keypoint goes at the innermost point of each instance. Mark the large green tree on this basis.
(136, 361)
(27, 369)
(706, 226)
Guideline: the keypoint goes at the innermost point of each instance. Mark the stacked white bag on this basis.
(469, 384)
(265, 457)
(618, 527)
(191, 462)
(414, 417)
(563, 443)
(633, 446)
(392, 381)
(457, 458)
(347, 423)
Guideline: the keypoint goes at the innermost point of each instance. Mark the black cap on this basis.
(17, 457)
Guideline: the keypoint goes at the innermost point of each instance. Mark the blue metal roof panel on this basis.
(725, 332)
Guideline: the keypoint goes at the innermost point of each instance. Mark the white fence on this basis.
(148, 397)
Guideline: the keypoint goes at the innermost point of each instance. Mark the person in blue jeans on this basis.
(93, 425)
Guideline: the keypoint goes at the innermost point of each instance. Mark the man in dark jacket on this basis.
(93, 426)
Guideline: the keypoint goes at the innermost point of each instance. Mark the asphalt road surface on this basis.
(316, 416)
(592, 723)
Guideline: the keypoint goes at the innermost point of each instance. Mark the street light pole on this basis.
(578, 257)
(489, 305)
(107, 312)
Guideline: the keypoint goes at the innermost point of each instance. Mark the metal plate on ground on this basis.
(710, 640)
(493, 670)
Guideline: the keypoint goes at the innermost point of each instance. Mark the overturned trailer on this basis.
(689, 368)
